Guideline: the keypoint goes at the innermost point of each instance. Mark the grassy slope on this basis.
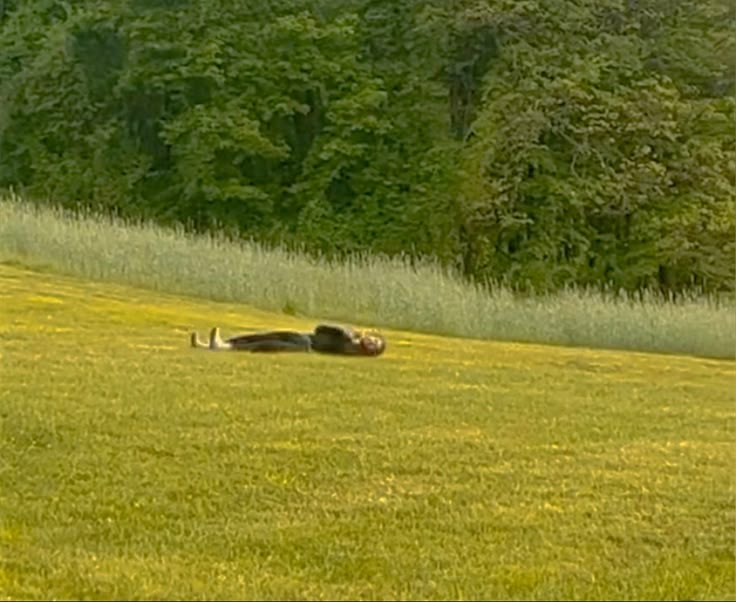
(133, 466)
(377, 291)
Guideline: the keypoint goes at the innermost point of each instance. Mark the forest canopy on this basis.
(541, 143)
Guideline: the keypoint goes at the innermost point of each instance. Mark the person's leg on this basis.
(278, 340)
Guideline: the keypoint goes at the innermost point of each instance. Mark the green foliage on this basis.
(539, 142)
(584, 163)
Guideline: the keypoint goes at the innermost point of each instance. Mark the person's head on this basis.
(372, 343)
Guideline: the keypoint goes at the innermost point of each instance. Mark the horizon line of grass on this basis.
(377, 291)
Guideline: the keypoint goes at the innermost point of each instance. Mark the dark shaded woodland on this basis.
(537, 142)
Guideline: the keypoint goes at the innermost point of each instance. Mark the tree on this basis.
(578, 171)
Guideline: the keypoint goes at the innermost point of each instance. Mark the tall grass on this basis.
(382, 292)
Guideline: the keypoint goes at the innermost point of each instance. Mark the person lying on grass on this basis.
(324, 339)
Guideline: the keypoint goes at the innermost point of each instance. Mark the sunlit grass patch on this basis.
(132, 466)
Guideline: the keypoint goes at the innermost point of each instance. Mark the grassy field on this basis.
(390, 293)
(132, 466)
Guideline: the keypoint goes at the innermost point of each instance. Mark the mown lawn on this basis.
(132, 466)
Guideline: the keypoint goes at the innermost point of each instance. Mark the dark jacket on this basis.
(335, 339)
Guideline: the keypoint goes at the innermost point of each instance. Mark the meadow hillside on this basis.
(132, 466)
(392, 293)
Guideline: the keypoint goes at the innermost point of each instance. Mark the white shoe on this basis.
(216, 343)
(195, 342)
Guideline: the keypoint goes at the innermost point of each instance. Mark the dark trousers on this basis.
(277, 340)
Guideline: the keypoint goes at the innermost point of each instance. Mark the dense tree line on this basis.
(539, 142)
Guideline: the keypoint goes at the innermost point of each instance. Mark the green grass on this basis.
(132, 466)
(375, 291)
